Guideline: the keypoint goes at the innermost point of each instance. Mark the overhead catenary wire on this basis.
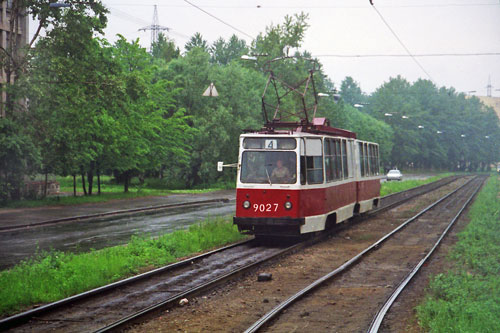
(218, 19)
(434, 5)
(408, 55)
(401, 42)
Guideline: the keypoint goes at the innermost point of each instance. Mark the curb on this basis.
(112, 213)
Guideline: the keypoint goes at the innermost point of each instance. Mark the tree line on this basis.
(86, 107)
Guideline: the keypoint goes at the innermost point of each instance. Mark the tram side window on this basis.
(303, 169)
(334, 160)
(370, 159)
(344, 158)
(375, 162)
(329, 160)
(314, 161)
(361, 159)
(367, 159)
(373, 159)
(351, 158)
(338, 159)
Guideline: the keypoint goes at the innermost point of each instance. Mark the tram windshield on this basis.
(272, 167)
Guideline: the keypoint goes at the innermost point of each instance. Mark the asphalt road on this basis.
(80, 236)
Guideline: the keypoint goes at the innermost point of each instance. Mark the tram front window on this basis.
(273, 167)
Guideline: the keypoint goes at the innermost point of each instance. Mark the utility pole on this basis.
(155, 28)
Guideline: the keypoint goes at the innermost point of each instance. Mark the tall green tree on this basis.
(351, 92)
(18, 158)
(196, 41)
(224, 52)
(15, 56)
(165, 48)
(279, 40)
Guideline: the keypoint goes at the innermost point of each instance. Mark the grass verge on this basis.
(393, 187)
(52, 276)
(111, 191)
(467, 298)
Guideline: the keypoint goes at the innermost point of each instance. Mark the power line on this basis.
(126, 16)
(323, 6)
(218, 19)
(401, 42)
(408, 55)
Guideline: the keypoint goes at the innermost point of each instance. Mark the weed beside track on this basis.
(467, 298)
(393, 187)
(53, 276)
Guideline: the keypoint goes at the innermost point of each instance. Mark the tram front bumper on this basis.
(269, 225)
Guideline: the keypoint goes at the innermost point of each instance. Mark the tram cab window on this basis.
(311, 161)
(272, 167)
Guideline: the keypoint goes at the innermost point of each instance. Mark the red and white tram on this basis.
(304, 179)
(297, 176)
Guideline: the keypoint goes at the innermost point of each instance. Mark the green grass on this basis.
(52, 276)
(111, 191)
(393, 186)
(467, 298)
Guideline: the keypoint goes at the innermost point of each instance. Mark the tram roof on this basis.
(319, 126)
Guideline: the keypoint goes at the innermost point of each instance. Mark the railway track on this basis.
(113, 306)
(371, 280)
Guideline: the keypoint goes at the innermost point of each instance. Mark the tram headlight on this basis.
(246, 204)
(288, 205)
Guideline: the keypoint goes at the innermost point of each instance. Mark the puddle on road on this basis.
(83, 236)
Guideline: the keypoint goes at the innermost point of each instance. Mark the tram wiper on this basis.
(268, 178)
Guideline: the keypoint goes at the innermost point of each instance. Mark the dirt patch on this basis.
(237, 305)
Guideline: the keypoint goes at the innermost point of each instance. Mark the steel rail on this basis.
(171, 301)
(426, 188)
(379, 317)
(23, 317)
(276, 310)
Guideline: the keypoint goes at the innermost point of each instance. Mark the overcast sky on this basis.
(346, 27)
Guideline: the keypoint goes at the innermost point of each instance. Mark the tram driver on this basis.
(281, 174)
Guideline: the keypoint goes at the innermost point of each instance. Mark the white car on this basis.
(394, 174)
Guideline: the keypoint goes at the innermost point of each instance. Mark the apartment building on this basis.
(5, 35)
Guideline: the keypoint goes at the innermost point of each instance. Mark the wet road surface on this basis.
(81, 236)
